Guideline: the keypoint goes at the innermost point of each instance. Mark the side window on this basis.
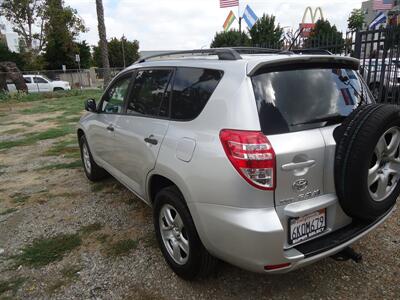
(150, 93)
(27, 80)
(39, 80)
(191, 91)
(113, 99)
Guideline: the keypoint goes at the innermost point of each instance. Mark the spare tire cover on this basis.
(367, 161)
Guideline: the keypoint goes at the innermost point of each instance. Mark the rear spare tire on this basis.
(367, 161)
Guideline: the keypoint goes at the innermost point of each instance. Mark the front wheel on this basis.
(178, 238)
(93, 171)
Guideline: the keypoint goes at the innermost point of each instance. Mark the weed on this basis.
(12, 284)
(55, 286)
(88, 229)
(45, 251)
(19, 198)
(14, 131)
(102, 237)
(71, 165)
(70, 272)
(8, 211)
(122, 247)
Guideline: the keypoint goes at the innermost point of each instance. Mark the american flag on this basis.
(383, 4)
(228, 3)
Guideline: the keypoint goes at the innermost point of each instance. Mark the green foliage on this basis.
(115, 54)
(85, 54)
(325, 36)
(61, 28)
(7, 55)
(25, 16)
(45, 251)
(231, 38)
(8, 211)
(265, 33)
(356, 19)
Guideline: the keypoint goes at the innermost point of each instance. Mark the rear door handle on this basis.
(299, 165)
(110, 127)
(151, 140)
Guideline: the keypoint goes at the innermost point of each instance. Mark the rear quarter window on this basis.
(191, 91)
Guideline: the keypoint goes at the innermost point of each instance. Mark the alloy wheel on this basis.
(173, 234)
(384, 171)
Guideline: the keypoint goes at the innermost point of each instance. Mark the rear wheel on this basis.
(92, 170)
(58, 89)
(178, 238)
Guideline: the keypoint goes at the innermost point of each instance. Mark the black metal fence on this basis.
(378, 51)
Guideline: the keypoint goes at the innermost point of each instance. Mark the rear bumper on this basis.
(254, 238)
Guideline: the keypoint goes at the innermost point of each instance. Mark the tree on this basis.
(356, 20)
(325, 36)
(62, 27)
(7, 55)
(9, 70)
(84, 54)
(26, 17)
(115, 53)
(103, 42)
(265, 33)
(231, 38)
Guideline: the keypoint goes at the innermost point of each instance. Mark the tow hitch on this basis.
(346, 254)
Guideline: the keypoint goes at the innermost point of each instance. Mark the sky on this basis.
(189, 24)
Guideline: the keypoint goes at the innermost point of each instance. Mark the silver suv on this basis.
(269, 160)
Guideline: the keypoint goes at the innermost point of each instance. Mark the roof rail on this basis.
(311, 51)
(222, 53)
(257, 50)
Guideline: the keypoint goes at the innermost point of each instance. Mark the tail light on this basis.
(252, 155)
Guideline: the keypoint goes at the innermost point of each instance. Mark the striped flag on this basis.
(228, 3)
(229, 20)
(379, 19)
(249, 16)
(382, 4)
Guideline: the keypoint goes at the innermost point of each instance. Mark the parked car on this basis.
(372, 71)
(40, 83)
(268, 161)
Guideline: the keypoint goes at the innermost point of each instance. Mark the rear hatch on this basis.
(299, 107)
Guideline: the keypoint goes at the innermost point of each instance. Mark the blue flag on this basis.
(249, 16)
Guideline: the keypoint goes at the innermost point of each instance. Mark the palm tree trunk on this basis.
(103, 42)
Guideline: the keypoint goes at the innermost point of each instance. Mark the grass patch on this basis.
(88, 229)
(8, 211)
(32, 138)
(14, 131)
(19, 198)
(98, 186)
(67, 147)
(122, 247)
(71, 165)
(45, 251)
(12, 284)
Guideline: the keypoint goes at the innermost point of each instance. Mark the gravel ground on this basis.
(62, 201)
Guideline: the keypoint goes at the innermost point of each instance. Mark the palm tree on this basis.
(103, 42)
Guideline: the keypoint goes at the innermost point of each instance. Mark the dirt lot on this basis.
(64, 237)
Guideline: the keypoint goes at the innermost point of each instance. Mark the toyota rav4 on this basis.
(268, 160)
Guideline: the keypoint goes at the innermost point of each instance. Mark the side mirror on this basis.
(90, 105)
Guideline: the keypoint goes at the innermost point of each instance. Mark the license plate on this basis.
(305, 227)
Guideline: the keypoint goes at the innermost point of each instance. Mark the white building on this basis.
(11, 38)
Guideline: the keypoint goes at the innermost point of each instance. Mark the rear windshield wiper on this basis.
(329, 118)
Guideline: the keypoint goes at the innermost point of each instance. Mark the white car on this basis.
(40, 83)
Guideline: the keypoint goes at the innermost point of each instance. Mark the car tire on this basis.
(367, 161)
(92, 170)
(178, 238)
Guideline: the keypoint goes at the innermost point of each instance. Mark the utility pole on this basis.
(123, 49)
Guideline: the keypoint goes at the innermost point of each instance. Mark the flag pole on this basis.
(240, 18)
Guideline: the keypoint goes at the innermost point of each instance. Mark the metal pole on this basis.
(123, 49)
(80, 75)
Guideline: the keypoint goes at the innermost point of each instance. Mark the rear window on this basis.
(294, 100)
(191, 91)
